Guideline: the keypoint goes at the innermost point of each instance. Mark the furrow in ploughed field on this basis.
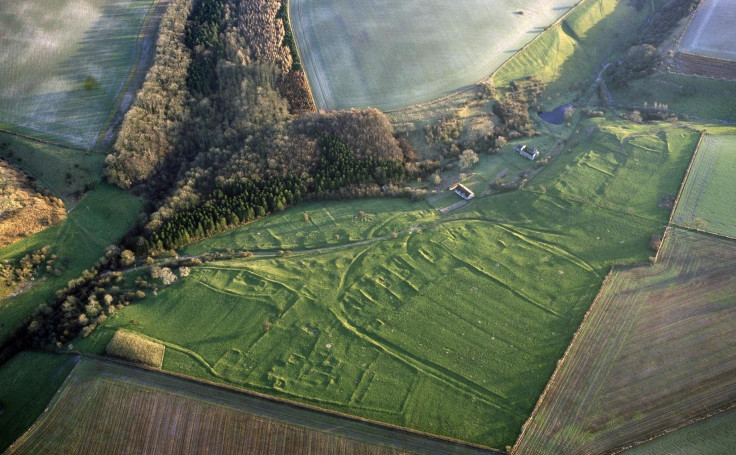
(655, 350)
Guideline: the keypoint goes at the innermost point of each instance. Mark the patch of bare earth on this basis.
(24, 208)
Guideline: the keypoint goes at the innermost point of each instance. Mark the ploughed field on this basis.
(63, 64)
(653, 352)
(389, 54)
(105, 407)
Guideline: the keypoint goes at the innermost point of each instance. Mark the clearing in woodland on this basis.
(653, 352)
(386, 310)
(389, 54)
(106, 407)
(706, 202)
(63, 64)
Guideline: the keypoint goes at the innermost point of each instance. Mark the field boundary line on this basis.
(287, 401)
(702, 231)
(687, 176)
(678, 42)
(137, 64)
(43, 141)
(561, 362)
(299, 53)
(693, 421)
(77, 357)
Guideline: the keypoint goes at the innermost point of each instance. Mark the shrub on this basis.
(467, 159)
(444, 130)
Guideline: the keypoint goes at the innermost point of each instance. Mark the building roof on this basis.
(462, 191)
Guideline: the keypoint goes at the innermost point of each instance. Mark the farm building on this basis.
(462, 191)
(527, 152)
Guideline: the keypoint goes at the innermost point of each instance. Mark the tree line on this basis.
(236, 202)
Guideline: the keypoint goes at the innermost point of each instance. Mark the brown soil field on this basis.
(24, 208)
(700, 65)
(107, 407)
(656, 349)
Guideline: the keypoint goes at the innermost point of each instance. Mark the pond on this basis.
(555, 116)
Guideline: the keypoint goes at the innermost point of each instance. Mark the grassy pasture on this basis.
(67, 172)
(714, 436)
(27, 384)
(712, 98)
(571, 51)
(110, 408)
(612, 156)
(387, 55)
(289, 230)
(99, 220)
(64, 64)
(421, 331)
(711, 32)
(653, 352)
(452, 327)
(706, 200)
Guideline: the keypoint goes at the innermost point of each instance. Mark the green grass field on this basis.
(453, 327)
(711, 98)
(572, 50)
(98, 221)
(67, 172)
(388, 55)
(710, 32)
(106, 407)
(64, 63)
(610, 157)
(706, 200)
(653, 352)
(714, 436)
(27, 384)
